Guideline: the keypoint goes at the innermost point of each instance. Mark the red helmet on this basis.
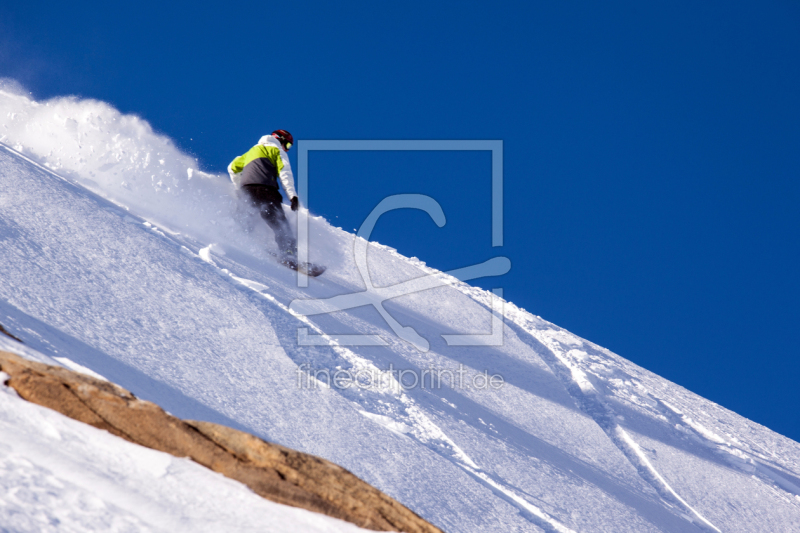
(284, 137)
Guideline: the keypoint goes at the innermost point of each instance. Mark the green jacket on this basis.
(263, 164)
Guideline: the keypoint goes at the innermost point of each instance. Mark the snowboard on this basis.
(309, 269)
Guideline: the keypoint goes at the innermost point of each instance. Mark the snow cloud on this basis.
(123, 159)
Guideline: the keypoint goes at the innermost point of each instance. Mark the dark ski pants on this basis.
(270, 204)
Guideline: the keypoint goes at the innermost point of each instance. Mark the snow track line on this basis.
(591, 402)
(588, 398)
(424, 430)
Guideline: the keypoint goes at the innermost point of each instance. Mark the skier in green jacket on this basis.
(256, 173)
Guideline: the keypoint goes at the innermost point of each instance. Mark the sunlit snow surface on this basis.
(128, 260)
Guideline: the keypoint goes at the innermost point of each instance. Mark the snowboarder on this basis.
(256, 173)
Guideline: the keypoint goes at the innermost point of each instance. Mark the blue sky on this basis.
(652, 150)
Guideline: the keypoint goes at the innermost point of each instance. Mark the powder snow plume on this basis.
(120, 156)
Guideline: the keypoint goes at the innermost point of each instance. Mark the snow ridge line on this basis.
(424, 429)
(579, 387)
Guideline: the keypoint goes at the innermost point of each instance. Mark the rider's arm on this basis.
(285, 173)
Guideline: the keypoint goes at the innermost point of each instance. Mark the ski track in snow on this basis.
(581, 389)
(591, 402)
(410, 415)
(559, 343)
(748, 462)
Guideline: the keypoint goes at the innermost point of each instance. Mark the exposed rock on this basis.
(4, 331)
(272, 471)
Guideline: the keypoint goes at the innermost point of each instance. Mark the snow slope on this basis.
(119, 254)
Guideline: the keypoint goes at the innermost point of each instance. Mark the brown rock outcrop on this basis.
(272, 471)
(4, 331)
